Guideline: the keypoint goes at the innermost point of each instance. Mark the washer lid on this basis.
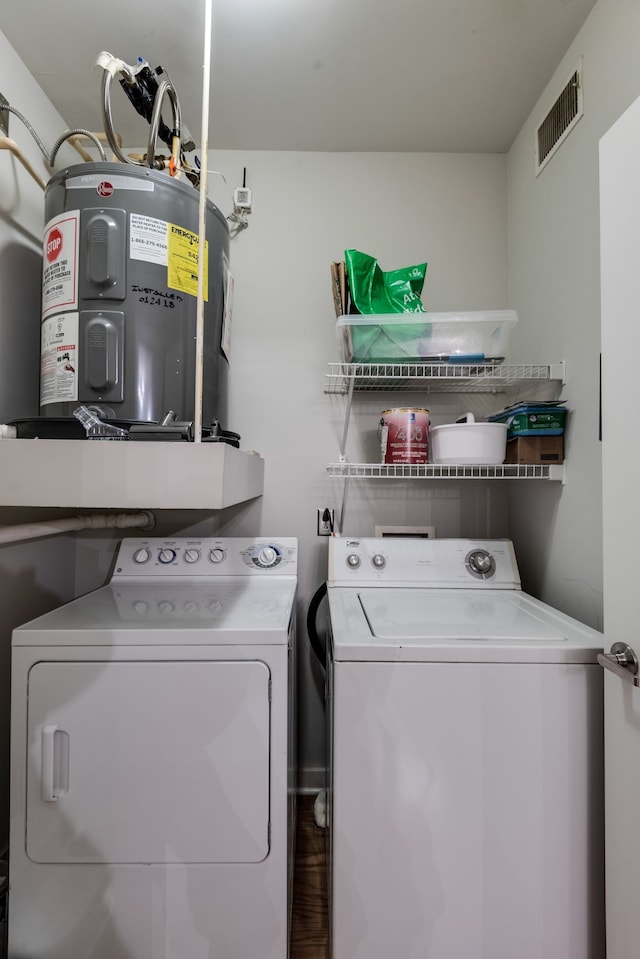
(408, 614)
(455, 625)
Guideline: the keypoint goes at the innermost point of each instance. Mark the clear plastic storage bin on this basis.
(477, 337)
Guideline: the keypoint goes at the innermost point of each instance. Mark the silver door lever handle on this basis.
(622, 661)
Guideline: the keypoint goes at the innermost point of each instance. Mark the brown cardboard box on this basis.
(535, 449)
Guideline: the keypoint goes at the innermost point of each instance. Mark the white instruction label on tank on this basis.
(59, 359)
(60, 263)
(148, 239)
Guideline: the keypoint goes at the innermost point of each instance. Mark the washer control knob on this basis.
(142, 555)
(167, 555)
(266, 556)
(353, 560)
(378, 561)
(165, 606)
(216, 555)
(481, 563)
(191, 555)
(190, 606)
(141, 607)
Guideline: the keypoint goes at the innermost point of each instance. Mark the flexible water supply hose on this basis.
(14, 534)
(107, 119)
(164, 89)
(112, 66)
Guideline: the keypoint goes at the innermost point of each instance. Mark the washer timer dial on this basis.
(480, 563)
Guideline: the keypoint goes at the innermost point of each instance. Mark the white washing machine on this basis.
(465, 794)
(153, 759)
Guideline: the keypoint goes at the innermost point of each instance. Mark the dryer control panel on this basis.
(206, 557)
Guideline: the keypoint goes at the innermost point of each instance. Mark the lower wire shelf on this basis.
(544, 471)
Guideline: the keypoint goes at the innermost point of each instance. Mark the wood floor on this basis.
(309, 927)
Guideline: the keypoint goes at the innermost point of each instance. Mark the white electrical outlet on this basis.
(325, 526)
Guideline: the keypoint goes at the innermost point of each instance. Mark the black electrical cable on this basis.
(327, 518)
(318, 647)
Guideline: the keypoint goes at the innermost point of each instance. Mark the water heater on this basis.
(120, 279)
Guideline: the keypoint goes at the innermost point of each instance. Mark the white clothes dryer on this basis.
(465, 793)
(153, 759)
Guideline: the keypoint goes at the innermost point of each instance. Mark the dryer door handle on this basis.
(54, 778)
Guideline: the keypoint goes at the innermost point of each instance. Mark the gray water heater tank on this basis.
(119, 307)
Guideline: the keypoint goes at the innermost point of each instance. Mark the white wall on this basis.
(454, 211)
(403, 208)
(449, 210)
(554, 283)
(308, 207)
(38, 575)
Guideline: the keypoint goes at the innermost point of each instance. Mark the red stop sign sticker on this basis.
(53, 245)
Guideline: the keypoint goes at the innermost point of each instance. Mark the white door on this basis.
(620, 272)
(148, 762)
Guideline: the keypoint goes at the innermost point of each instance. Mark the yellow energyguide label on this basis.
(183, 257)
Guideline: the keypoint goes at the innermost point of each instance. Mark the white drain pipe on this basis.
(202, 220)
(15, 534)
(6, 143)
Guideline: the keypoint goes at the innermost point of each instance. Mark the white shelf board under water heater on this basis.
(133, 475)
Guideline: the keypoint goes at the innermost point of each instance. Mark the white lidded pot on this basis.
(468, 442)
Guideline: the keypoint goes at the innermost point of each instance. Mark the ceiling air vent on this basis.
(560, 120)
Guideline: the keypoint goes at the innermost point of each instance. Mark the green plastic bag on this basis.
(374, 291)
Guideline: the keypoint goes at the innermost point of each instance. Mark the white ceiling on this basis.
(330, 75)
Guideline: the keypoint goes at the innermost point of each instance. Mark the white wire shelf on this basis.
(437, 377)
(546, 471)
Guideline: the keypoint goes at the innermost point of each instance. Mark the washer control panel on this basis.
(436, 563)
(206, 557)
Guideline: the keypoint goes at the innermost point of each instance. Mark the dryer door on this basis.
(148, 762)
